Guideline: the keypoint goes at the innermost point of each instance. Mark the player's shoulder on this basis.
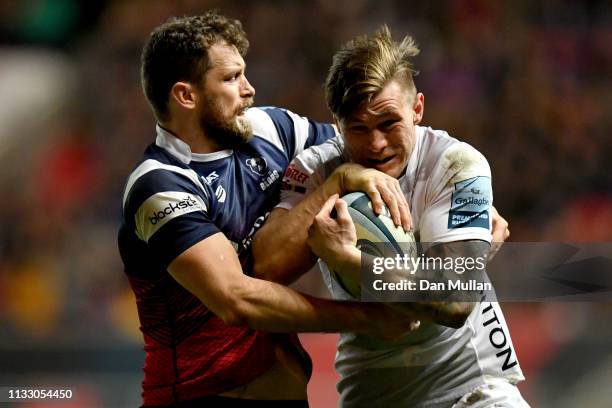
(277, 126)
(288, 131)
(326, 155)
(312, 166)
(159, 178)
(273, 124)
(265, 121)
(450, 158)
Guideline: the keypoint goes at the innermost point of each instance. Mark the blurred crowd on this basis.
(527, 83)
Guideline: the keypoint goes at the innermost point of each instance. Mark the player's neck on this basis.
(192, 134)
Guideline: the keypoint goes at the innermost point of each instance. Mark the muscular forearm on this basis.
(211, 271)
(280, 251)
(272, 307)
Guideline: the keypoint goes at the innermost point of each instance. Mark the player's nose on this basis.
(377, 141)
(247, 90)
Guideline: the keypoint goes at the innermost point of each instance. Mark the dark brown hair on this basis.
(178, 51)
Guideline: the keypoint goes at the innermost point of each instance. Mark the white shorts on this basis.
(494, 393)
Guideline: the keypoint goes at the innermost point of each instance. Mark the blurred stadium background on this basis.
(528, 83)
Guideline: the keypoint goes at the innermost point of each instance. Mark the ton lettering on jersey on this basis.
(499, 338)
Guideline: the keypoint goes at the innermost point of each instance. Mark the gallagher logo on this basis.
(185, 203)
(257, 165)
(471, 200)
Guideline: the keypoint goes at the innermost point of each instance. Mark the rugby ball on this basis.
(376, 235)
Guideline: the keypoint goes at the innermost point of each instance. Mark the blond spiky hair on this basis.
(364, 65)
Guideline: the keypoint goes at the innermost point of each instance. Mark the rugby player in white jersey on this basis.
(462, 354)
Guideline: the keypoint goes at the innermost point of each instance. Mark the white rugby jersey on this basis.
(448, 186)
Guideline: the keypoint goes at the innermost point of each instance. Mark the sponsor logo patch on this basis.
(173, 206)
(294, 174)
(470, 204)
(160, 208)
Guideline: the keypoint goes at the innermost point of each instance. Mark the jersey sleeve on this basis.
(290, 132)
(308, 170)
(167, 213)
(459, 198)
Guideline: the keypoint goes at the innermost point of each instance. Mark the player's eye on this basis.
(358, 128)
(233, 77)
(388, 123)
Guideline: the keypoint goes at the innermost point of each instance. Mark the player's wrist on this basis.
(348, 260)
(334, 184)
(343, 174)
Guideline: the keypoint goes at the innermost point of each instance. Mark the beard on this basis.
(228, 134)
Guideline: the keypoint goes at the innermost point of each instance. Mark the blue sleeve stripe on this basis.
(150, 165)
(157, 181)
(318, 133)
(285, 127)
(293, 144)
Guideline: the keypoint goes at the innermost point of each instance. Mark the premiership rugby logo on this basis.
(470, 203)
(185, 203)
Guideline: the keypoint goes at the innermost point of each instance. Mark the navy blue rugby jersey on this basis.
(175, 198)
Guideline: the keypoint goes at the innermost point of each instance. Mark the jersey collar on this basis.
(413, 159)
(181, 150)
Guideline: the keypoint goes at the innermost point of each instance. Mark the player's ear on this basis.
(182, 93)
(418, 107)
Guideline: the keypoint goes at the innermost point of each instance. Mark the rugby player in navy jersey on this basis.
(212, 332)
